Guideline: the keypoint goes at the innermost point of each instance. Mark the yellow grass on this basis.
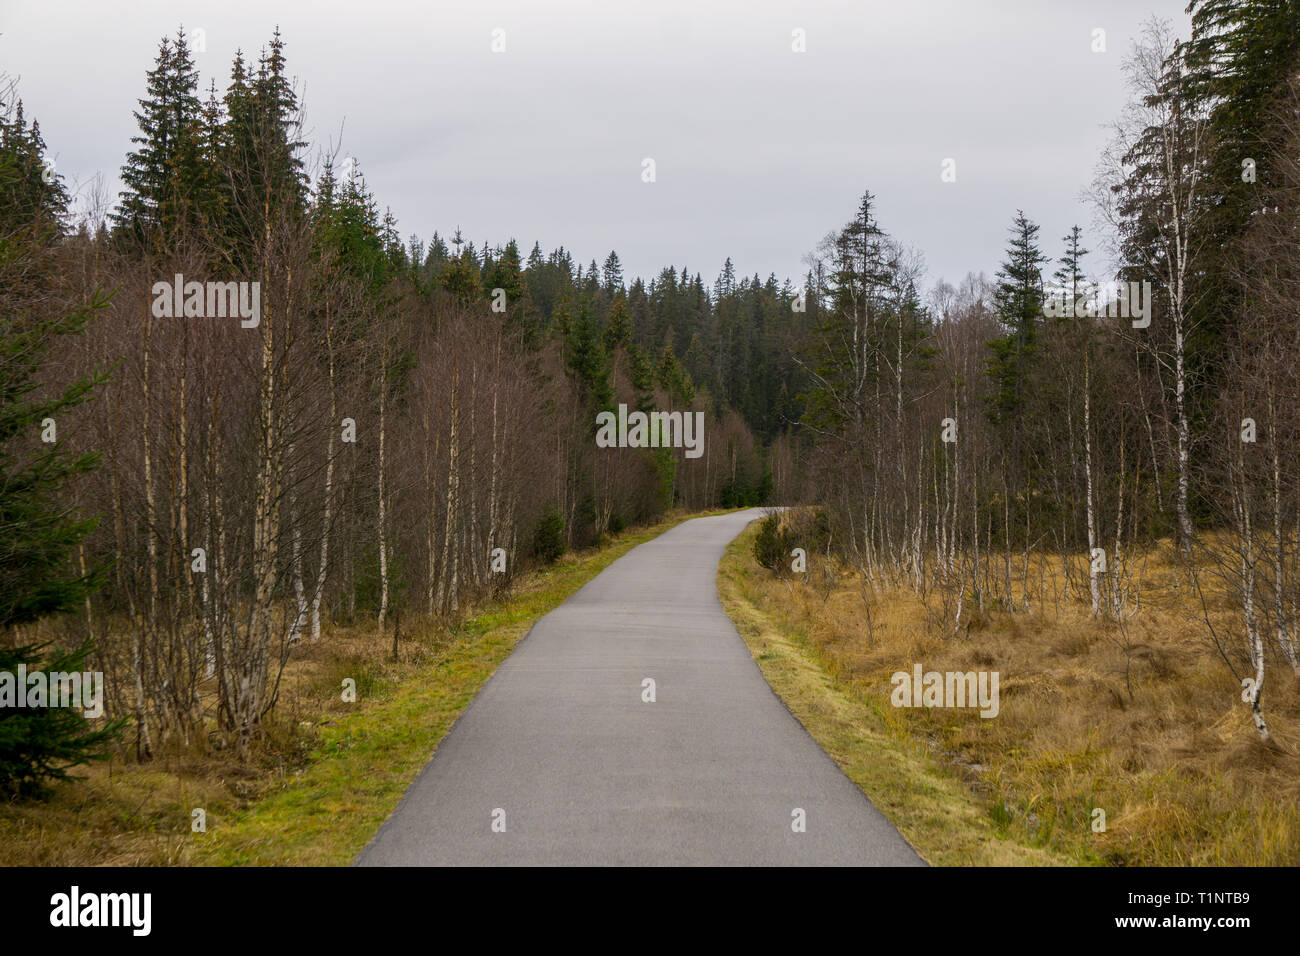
(1177, 767)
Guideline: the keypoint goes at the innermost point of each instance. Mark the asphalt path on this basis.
(562, 760)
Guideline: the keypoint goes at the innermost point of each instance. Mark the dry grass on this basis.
(1176, 766)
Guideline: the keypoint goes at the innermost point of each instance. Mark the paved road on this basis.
(561, 749)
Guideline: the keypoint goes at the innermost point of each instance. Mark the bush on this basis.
(773, 544)
(548, 537)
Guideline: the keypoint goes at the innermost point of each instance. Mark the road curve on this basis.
(559, 761)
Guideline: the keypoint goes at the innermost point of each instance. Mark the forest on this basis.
(239, 410)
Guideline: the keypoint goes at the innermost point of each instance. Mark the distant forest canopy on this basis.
(410, 424)
(731, 340)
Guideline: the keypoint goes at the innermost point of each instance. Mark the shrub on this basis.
(548, 537)
(773, 544)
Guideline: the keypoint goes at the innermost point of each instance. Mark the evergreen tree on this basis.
(436, 259)
(1019, 299)
(506, 273)
(1238, 63)
(587, 360)
(38, 531)
(462, 277)
(1070, 276)
(1240, 60)
(162, 173)
(394, 251)
(618, 328)
(414, 254)
(347, 224)
(208, 197)
(612, 274)
(673, 378)
(31, 193)
(726, 283)
(264, 173)
(643, 377)
(855, 292)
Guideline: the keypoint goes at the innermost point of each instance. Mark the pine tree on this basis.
(613, 274)
(1238, 63)
(587, 360)
(161, 174)
(618, 330)
(1019, 298)
(643, 377)
(31, 194)
(263, 173)
(673, 378)
(1070, 277)
(38, 532)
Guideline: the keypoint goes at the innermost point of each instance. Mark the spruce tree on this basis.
(1019, 299)
(462, 277)
(506, 273)
(1238, 64)
(164, 172)
(587, 360)
(618, 328)
(854, 290)
(1240, 59)
(31, 193)
(673, 378)
(612, 274)
(38, 531)
(263, 172)
(643, 377)
(1070, 277)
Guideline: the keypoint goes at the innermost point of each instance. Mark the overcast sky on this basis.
(759, 151)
